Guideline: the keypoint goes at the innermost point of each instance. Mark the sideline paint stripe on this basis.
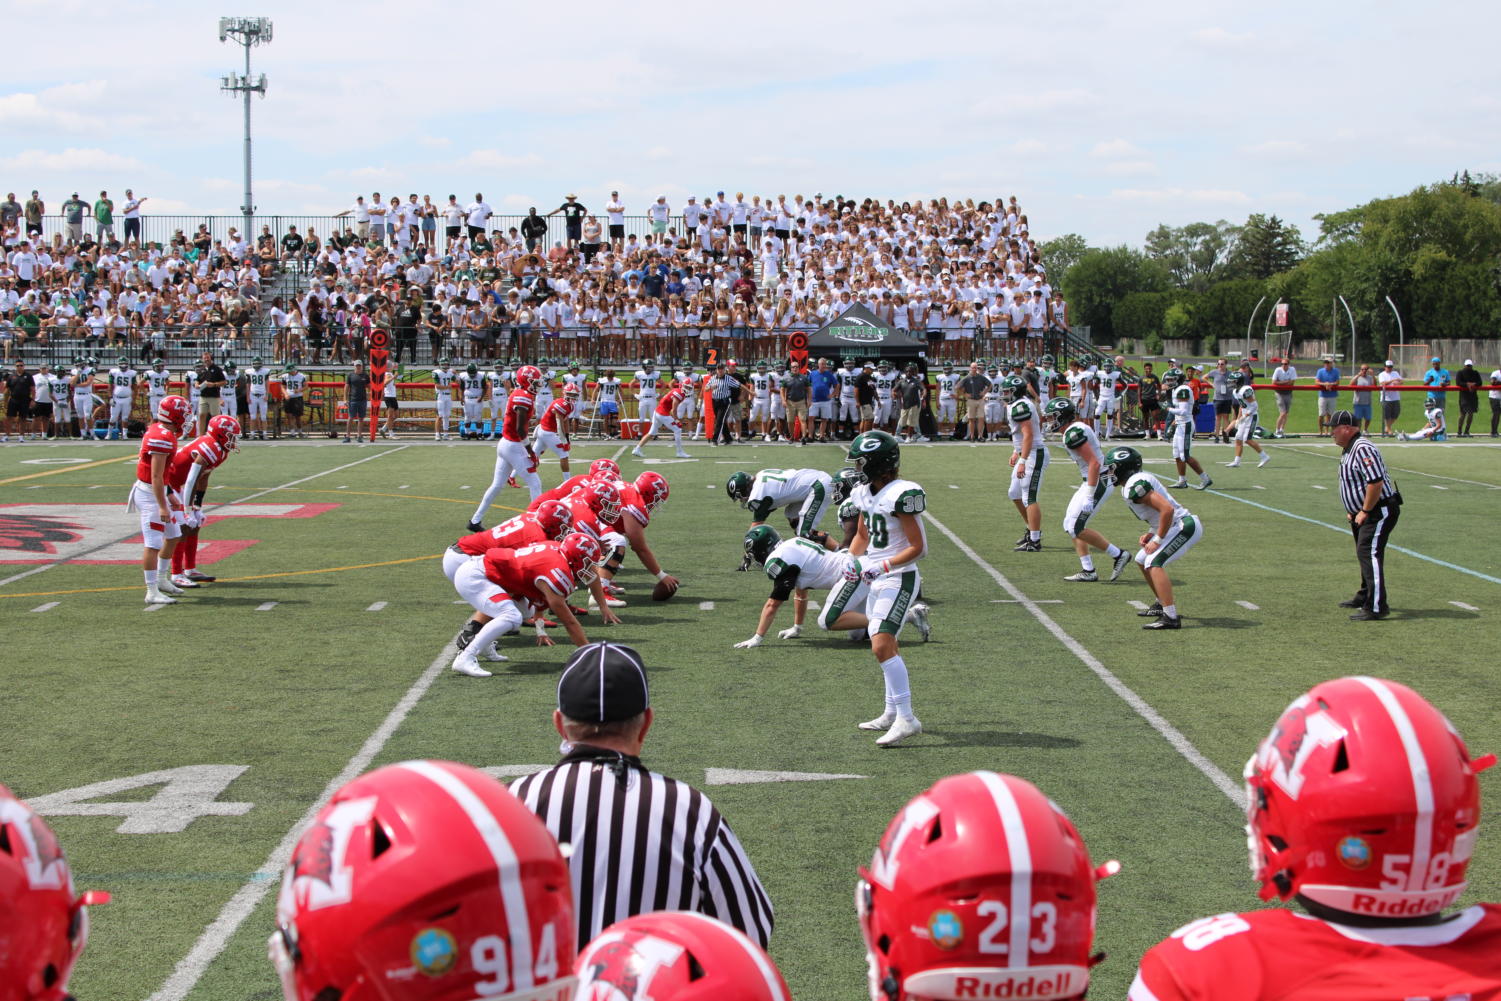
(217, 935)
(231, 580)
(243, 500)
(1344, 530)
(1154, 719)
(66, 469)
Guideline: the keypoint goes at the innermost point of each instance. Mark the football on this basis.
(662, 591)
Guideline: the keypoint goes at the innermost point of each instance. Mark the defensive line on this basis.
(191, 968)
(1154, 719)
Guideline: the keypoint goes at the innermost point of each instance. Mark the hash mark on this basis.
(1248, 606)
(47, 607)
(265, 606)
(376, 607)
(1140, 606)
(706, 606)
(1456, 604)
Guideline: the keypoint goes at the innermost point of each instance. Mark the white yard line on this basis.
(1345, 530)
(376, 607)
(1456, 604)
(47, 607)
(1140, 606)
(1400, 469)
(1248, 606)
(217, 935)
(1154, 719)
(706, 606)
(243, 500)
(265, 606)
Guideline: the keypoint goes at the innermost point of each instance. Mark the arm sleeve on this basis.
(784, 583)
(732, 892)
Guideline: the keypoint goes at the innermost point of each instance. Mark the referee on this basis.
(1372, 505)
(640, 841)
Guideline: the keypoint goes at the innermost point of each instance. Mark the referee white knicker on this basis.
(640, 841)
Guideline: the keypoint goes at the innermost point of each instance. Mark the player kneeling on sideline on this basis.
(795, 567)
(1175, 531)
(543, 575)
(446, 887)
(664, 418)
(188, 475)
(1083, 445)
(804, 494)
(159, 506)
(1364, 806)
(677, 956)
(1245, 428)
(881, 575)
(1435, 428)
(981, 887)
(43, 925)
(552, 429)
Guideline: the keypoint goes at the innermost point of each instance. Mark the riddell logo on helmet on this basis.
(1365, 903)
(1039, 982)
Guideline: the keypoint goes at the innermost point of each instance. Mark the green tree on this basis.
(1266, 246)
(1101, 277)
(1060, 254)
(1196, 255)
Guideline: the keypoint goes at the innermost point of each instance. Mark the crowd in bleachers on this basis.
(728, 273)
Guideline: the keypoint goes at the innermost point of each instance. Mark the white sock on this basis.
(1171, 611)
(1034, 536)
(488, 634)
(163, 573)
(150, 578)
(1087, 563)
(898, 694)
(1113, 551)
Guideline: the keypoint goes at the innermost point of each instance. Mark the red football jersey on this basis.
(558, 410)
(584, 518)
(668, 404)
(525, 572)
(631, 506)
(519, 532)
(562, 490)
(519, 407)
(158, 440)
(1281, 955)
(203, 448)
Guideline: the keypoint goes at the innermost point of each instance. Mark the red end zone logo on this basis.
(108, 534)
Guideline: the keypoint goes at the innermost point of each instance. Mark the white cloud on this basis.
(494, 159)
(1116, 148)
(435, 142)
(1128, 168)
(1053, 100)
(70, 159)
(1222, 38)
(1027, 147)
(1217, 196)
(1276, 148)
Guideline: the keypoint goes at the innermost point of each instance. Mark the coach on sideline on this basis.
(641, 842)
(1372, 505)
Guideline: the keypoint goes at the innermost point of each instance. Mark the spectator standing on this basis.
(660, 212)
(1361, 399)
(73, 211)
(1372, 505)
(20, 387)
(35, 209)
(1391, 399)
(1468, 381)
(794, 389)
(356, 400)
(1149, 392)
(640, 841)
(974, 386)
(10, 214)
(1327, 379)
(1495, 395)
(821, 382)
(1437, 379)
(132, 216)
(453, 220)
(533, 230)
(478, 215)
(209, 377)
(1284, 377)
(573, 218)
(361, 213)
(1219, 379)
(104, 217)
(615, 213)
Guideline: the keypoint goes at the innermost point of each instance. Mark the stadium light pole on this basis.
(247, 32)
(1251, 322)
(1353, 360)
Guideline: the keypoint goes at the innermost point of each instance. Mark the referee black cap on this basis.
(603, 683)
(1341, 418)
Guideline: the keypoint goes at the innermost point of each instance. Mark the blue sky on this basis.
(1102, 118)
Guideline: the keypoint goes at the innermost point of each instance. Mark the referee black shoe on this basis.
(1366, 615)
(1165, 622)
(1155, 609)
(475, 526)
(1352, 603)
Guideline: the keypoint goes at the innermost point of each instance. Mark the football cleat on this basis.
(1165, 622)
(1204, 484)
(1030, 546)
(918, 616)
(182, 580)
(201, 578)
(1083, 577)
(881, 722)
(1180, 484)
(167, 587)
(475, 526)
(465, 663)
(1154, 609)
(1026, 537)
(494, 656)
(904, 727)
(1265, 458)
(612, 602)
(1120, 563)
(1352, 603)
(155, 597)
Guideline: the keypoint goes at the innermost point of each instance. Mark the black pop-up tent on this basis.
(859, 333)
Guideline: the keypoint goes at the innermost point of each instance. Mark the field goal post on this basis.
(1276, 344)
(1411, 359)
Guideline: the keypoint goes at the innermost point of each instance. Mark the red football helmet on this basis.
(981, 887)
(571, 389)
(425, 881)
(652, 486)
(1364, 798)
(528, 377)
(607, 469)
(173, 411)
(603, 499)
(43, 924)
(226, 431)
(583, 554)
(676, 956)
(555, 519)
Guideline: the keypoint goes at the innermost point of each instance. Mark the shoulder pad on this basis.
(1138, 489)
(1074, 437)
(912, 501)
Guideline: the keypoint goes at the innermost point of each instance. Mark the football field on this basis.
(179, 750)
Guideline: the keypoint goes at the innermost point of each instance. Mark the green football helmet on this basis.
(738, 487)
(1059, 413)
(1237, 379)
(157, 363)
(1122, 463)
(844, 482)
(1172, 377)
(759, 542)
(1013, 387)
(1047, 360)
(875, 453)
(256, 361)
(122, 361)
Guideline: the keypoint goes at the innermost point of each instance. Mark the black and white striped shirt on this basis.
(1360, 465)
(643, 842)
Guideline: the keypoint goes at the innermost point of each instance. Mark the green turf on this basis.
(112, 691)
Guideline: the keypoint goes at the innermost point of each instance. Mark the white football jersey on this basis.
(1135, 491)
(293, 381)
(1024, 411)
(761, 385)
(122, 381)
(157, 382)
(787, 486)
(256, 379)
(648, 383)
(817, 567)
(1249, 408)
(443, 380)
(847, 383)
(947, 383)
(1075, 437)
(884, 382)
(473, 386)
(1181, 406)
(879, 512)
